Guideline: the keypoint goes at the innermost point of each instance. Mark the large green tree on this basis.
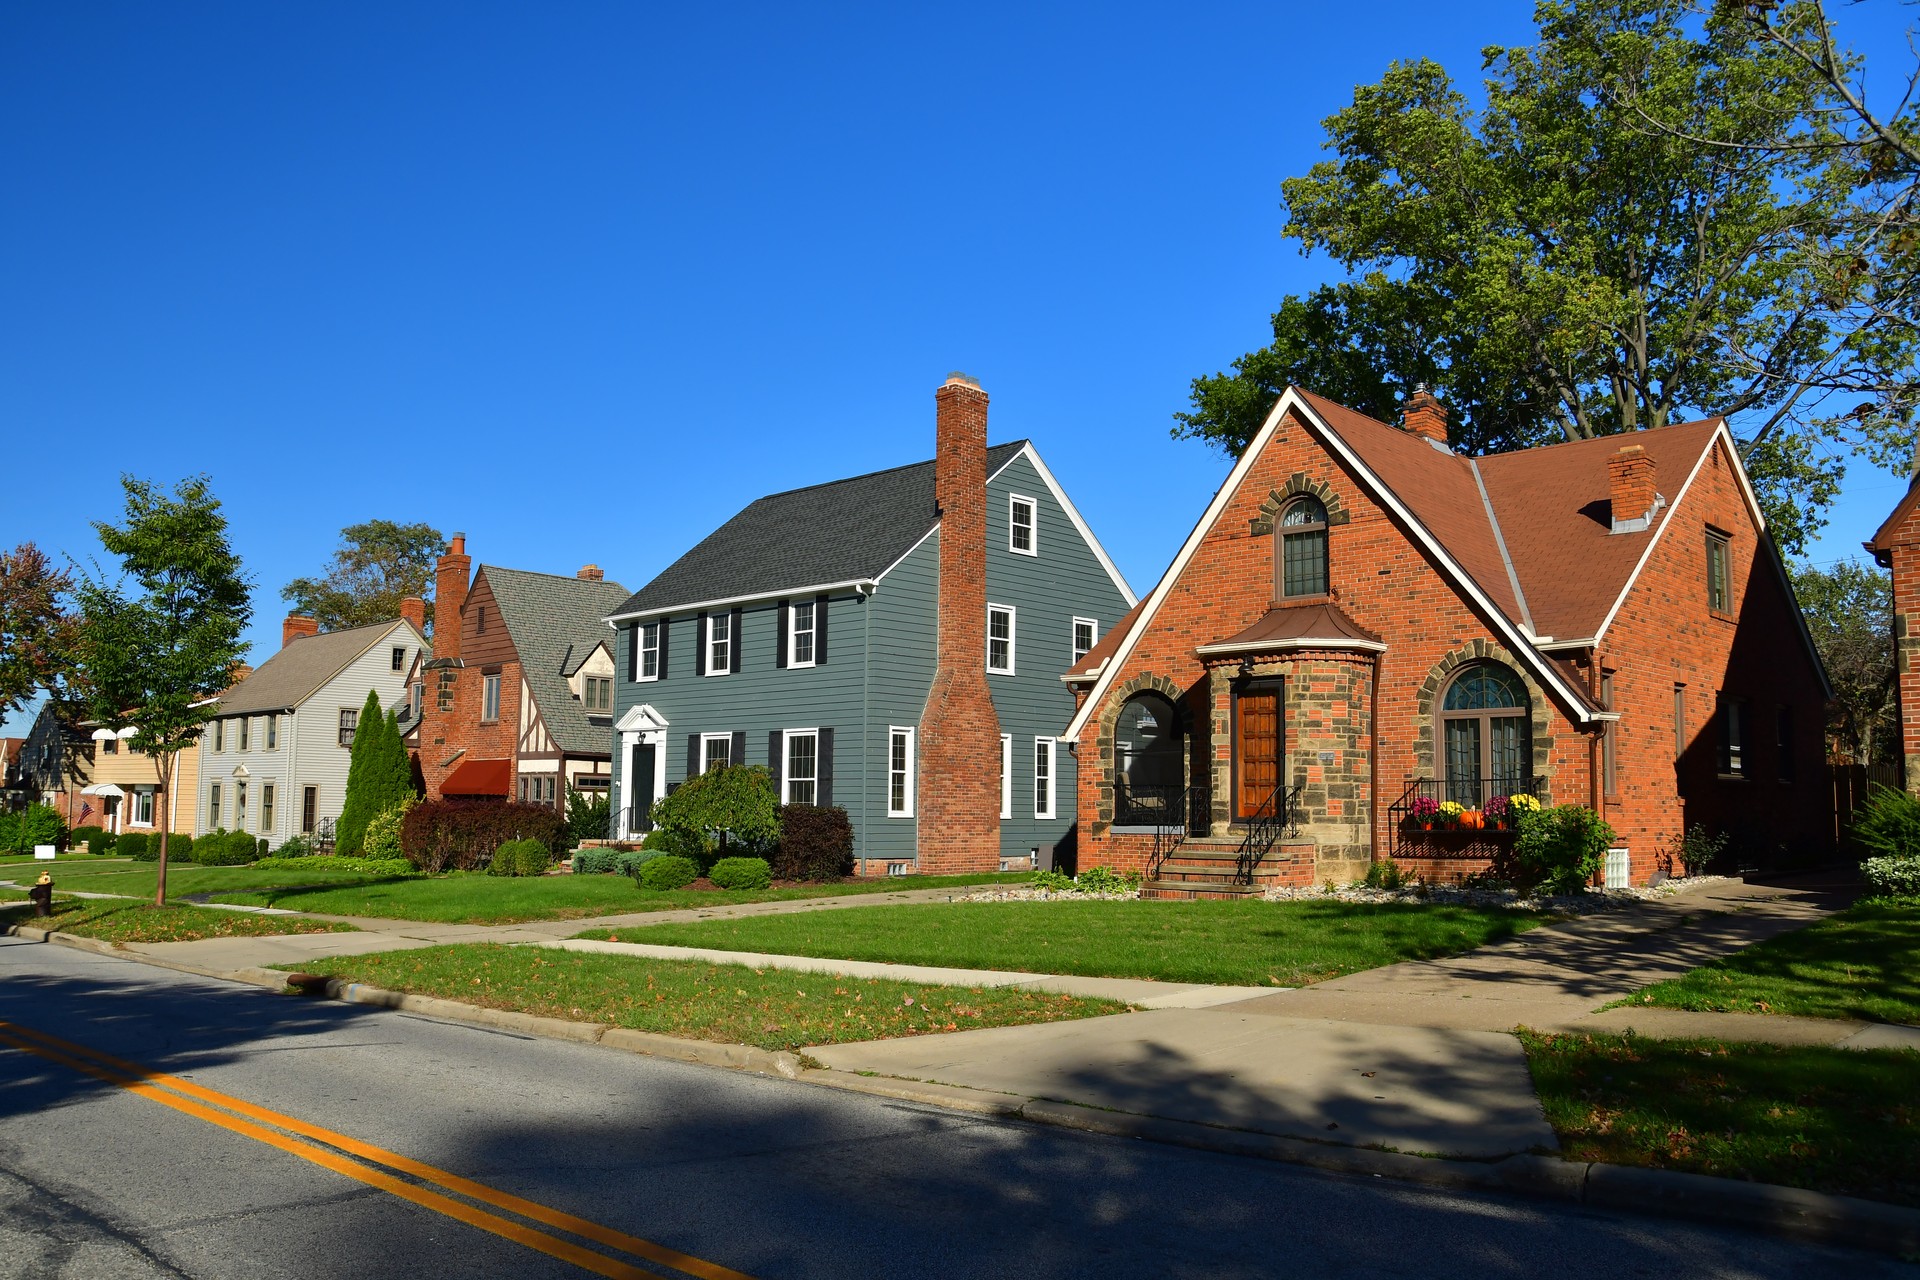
(37, 627)
(1849, 611)
(1613, 241)
(378, 563)
(158, 642)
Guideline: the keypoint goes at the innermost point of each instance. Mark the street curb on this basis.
(1790, 1212)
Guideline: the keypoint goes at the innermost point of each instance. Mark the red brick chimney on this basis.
(413, 610)
(1424, 416)
(295, 627)
(592, 573)
(1630, 487)
(959, 782)
(450, 597)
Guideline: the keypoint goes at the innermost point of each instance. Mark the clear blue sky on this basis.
(583, 279)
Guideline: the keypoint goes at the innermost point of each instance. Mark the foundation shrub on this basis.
(81, 836)
(594, 862)
(135, 845)
(461, 835)
(1561, 848)
(627, 862)
(1888, 824)
(37, 824)
(520, 858)
(223, 848)
(816, 843)
(667, 871)
(741, 873)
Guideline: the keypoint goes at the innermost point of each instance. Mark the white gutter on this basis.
(862, 585)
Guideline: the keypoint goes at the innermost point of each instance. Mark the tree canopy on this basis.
(378, 564)
(1849, 611)
(37, 628)
(154, 655)
(1617, 239)
(738, 803)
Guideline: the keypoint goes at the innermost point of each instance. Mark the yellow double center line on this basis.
(187, 1097)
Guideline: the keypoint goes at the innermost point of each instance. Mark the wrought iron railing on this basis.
(1424, 824)
(639, 820)
(1173, 813)
(1277, 818)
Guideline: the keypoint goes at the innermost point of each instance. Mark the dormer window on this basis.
(1301, 565)
(598, 693)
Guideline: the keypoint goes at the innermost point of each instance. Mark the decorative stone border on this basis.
(1480, 650)
(1109, 716)
(1298, 483)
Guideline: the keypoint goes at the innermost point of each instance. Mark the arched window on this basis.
(1149, 760)
(1301, 565)
(1485, 732)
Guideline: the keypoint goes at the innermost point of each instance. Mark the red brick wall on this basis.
(1387, 584)
(450, 722)
(959, 739)
(1905, 556)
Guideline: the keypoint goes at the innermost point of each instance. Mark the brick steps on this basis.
(1209, 869)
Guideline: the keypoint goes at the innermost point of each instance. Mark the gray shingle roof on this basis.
(554, 621)
(296, 673)
(842, 531)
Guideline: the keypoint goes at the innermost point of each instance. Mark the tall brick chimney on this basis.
(1630, 488)
(591, 573)
(959, 781)
(413, 610)
(1424, 415)
(295, 627)
(450, 597)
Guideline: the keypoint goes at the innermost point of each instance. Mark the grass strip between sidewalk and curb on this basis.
(771, 1009)
(1278, 944)
(122, 921)
(475, 898)
(1863, 963)
(1841, 1121)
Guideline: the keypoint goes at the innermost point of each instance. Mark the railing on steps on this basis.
(1173, 812)
(1277, 817)
(639, 820)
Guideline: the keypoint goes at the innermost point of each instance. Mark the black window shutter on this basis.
(823, 770)
(776, 748)
(820, 630)
(660, 664)
(700, 645)
(739, 754)
(780, 645)
(733, 642)
(633, 652)
(693, 755)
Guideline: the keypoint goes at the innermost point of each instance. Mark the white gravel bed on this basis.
(1575, 903)
(1045, 895)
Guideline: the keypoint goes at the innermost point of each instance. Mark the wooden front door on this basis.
(1257, 759)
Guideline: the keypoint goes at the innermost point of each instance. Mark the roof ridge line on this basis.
(1500, 541)
(868, 475)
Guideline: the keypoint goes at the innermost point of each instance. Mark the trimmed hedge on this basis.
(136, 845)
(328, 862)
(461, 835)
(223, 848)
(594, 862)
(629, 861)
(103, 844)
(816, 843)
(81, 836)
(520, 858)
(741, 873)
(667, 871)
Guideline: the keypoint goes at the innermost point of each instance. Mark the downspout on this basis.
(1596, 793)
(1373, 765)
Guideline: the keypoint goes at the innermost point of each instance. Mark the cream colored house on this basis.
(122, 791)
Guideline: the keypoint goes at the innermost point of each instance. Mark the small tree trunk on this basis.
(162, 815)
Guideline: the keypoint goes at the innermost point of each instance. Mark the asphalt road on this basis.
(738, 1174)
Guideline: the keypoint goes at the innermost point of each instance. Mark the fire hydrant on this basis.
(41, 895)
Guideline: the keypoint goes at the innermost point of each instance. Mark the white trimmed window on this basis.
(719, 644)
(219, 735)
(799, 781)
(490, 698)
(1086, 634)
(266, 808)
(246, 732)
(273, 724)
(1022, 536)
(1043, 778)
(650, 651)
(800, 635)
(1006, 776)
(1000, 638)
(349, 722)
(143, 806)
(716, 749)
(213, 805)
(599, 692)
(900, 772)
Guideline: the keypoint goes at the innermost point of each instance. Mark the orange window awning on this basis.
(480, 778)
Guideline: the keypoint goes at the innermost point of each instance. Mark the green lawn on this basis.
(483, 899)
(770, 1008)
(12, 862)
(1862, 963)
(130, 921)
(1236, 943)
(1833, 1120)
(137, 879)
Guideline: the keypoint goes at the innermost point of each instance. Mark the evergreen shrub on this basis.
(667, 871)
(135, 845)
(520, 858)
(741, 873)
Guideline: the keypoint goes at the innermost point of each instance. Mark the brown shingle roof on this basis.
(1291, 626)
(297, 672)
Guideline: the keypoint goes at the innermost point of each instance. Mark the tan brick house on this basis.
(1365, 624)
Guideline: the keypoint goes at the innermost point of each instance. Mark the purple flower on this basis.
(1423, 807)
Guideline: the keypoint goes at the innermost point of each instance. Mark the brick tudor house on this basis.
(515, 700)
(1363, 617)
(1896, 546)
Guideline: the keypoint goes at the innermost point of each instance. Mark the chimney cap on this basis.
(957, 378)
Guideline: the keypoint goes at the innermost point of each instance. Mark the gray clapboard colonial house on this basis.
(274, 755)
(891, 643)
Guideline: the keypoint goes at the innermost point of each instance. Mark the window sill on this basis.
(1721, 615)
(1732, 777)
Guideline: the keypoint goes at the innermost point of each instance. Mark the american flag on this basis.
(86, 808)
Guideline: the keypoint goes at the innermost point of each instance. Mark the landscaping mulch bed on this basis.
(1834, 1120)
(732, 1004)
